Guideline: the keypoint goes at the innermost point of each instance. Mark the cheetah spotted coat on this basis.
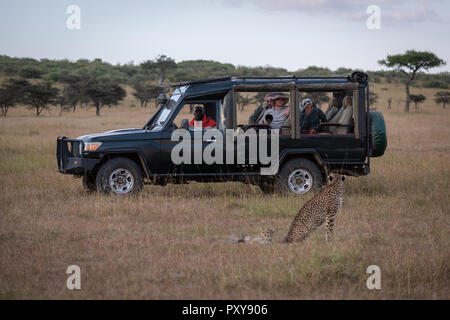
(322, 208)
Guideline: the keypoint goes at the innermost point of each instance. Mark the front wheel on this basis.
(299, 176)
(120, 176)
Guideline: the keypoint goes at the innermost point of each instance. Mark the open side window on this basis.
(248, 115)
(340, 102)
(186, 113)
(338, 105)
(325, 112)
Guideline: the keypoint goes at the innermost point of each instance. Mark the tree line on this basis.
(41, 96)
(93, 84)
(39, 84)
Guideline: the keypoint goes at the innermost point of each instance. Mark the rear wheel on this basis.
(299, 176)
(120, 176)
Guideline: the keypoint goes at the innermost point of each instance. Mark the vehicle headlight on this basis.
(91, 146)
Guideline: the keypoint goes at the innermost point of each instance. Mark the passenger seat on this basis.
(332, 109)
(344, 117)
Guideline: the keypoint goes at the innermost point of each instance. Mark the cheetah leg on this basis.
(298, 234)
(330, 227)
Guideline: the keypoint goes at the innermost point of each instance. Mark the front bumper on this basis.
(69, 154)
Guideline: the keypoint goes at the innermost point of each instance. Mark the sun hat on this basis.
(280, 95)
(270, 95)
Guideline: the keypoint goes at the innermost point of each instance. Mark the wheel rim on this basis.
(121, 181)
(300, 181)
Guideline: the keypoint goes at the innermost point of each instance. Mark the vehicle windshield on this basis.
(166, 110)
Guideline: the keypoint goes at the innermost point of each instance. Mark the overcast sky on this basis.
(292, 34)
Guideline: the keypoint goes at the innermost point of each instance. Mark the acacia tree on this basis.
(144, 91)
(159, 67)
(104, 93)
(409, 64)
(417, 99)
(11, 94)
(242, 101)
(68, 99)
(260, 98)
(40, 96)
(6, 101)
(442, 97)
(74, 94)
(75, 90)
(62, 102)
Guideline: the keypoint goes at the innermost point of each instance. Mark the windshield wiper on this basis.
(154, 125)
(151, 126)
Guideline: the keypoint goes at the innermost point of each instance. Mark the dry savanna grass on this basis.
(169, 242)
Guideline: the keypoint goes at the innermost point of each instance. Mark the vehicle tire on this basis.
(120, 176)
(298, 177)
(379, 139)
(88, 181)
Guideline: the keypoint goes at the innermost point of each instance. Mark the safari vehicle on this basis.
(122, 161)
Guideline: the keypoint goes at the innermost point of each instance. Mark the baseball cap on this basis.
(306, 101)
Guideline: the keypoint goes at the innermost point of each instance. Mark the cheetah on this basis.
(322, 208)
(262, 238)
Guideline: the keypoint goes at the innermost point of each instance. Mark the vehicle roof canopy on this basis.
(217, 85)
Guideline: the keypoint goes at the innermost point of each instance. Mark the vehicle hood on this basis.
(113, 135)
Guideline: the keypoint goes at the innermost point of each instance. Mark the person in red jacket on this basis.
(199, 115)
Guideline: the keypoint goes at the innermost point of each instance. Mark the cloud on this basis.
(300, 5)
(401, 11)
(419, 14)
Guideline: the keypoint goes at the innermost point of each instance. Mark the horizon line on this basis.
(73, 60)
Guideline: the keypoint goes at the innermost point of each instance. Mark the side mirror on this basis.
(185, 124)
(161, 99)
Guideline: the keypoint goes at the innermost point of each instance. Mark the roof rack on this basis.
(185, 83)
(200, 81)
(289, 77)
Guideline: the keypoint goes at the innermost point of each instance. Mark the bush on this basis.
(376, 79)
(30, 73)
(439, 84)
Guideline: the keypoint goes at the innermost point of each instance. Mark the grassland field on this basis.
(169, 242)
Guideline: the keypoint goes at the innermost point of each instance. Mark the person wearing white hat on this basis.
(277, 115)
(304, 103)
(310, 117)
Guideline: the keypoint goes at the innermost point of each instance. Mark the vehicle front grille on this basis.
(74, 148)
(67, 148)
